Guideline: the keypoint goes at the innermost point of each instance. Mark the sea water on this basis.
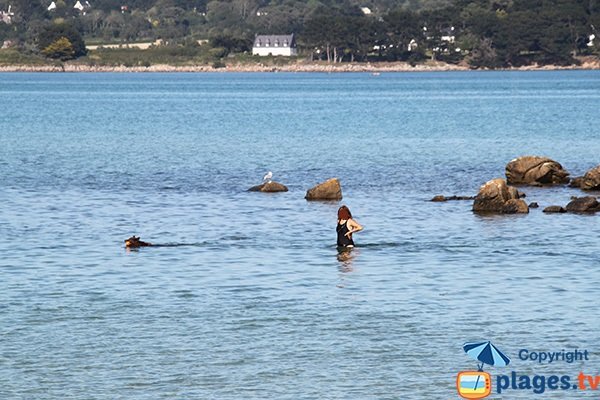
(254, 301)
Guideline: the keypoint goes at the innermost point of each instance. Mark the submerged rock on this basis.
(576, 182)
(440, 198)
(554, 209)
(269, 187)
(534, 205)
(583, 205)
(494, 195)
(591, 179)
(534, 170)
(328, 190)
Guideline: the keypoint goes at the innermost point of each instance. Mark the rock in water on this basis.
(442, 198)
(534, 170)
(583, 204)
(515, 206)
(554, 209)
(533, 205)
(576, 182)
(494, 195)
(328, 190)
(269, 187)
(591, 179)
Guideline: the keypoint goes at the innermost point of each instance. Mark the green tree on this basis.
(51, 33)
(482, 54)
(231, 43)
(114, 25)
(136, 26)
(286, 18)
(61, 49)
(403, 26)
(338, 34)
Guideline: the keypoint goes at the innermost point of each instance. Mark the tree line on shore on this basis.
(479, 33)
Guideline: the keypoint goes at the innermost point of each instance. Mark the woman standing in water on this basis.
(346, 226)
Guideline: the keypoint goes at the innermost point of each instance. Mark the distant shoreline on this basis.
(379, 67)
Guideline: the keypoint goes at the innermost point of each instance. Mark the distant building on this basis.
(276, 45)
(6, 16)
(52, 6)
(82, 7)
(366, 10)
(448, 35)
(412, 45)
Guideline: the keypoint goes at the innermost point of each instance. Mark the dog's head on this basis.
(133, 241)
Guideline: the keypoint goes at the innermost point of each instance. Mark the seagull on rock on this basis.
(267, 177)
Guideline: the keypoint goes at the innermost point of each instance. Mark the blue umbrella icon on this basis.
(486, 353)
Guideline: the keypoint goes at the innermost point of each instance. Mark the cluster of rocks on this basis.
(328, 190)
(589, 181)
(587, 204)
(499, 197)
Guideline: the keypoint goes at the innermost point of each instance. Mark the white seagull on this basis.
(267, 177)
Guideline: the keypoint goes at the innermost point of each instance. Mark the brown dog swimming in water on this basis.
(135, 241)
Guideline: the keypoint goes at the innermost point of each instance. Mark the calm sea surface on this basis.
(252, 300)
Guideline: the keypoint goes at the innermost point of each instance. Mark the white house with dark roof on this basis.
(276, 45)
(448, 35)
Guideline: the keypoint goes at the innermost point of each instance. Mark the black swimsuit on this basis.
(342, 239)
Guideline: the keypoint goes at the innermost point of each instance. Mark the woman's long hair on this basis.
(344, 213)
